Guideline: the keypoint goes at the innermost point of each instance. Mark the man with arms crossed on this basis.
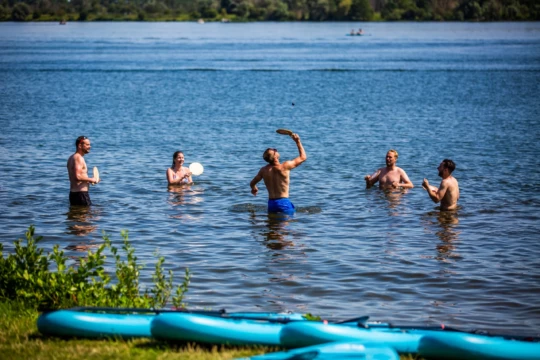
(78, 174)
(276, 178)
(391, 176)
(448, 191)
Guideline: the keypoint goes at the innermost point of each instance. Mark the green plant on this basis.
(44, 281)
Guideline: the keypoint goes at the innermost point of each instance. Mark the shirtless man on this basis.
(391, 176)
(78, 174)
(448, 191)
(276, 178)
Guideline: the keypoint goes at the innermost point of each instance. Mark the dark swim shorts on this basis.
(281, 205)
(80, 198)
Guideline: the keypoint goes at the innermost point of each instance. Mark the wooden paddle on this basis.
(284, 132)
(96, 175)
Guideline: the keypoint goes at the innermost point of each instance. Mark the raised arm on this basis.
(291, 164)
(253, 183)
(435, 194)
(372, 180)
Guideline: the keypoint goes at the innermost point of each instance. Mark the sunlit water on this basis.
(141, 91)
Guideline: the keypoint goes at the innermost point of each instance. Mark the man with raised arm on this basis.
(276, 178)
(448, 192)
(78, 174)
(391, 176)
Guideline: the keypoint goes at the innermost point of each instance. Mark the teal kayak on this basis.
(215, 330)
(465, 346)
(333, 351)
(129, 323)
(76, 323)
(308, 333)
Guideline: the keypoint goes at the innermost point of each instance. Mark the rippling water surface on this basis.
(141, 91)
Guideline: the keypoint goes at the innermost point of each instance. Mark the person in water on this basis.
(360, 32)
(448, 192)
(78, 173)
(276, 178)
(391, 176)
(178, 174)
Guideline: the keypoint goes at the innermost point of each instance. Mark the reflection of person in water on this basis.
(446, 230)
(80, 220)
(277, 233)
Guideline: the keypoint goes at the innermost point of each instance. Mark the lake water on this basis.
(140, 91)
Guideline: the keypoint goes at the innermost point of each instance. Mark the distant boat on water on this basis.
(200, 21)
(63, 22)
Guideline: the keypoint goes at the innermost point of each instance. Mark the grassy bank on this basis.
(20, 339)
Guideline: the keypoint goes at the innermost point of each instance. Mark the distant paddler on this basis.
(78, 174)
(276, 176)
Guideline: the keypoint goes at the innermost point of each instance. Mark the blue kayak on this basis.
(334, 351)
(215, 330)
(128, 323)
(465, 346)
(308, 333)
(86, 324)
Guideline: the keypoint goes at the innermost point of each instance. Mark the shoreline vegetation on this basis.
(31, 282)
(269, 10)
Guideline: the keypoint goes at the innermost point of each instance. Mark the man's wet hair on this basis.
(268, 156)
(450, 165)
(79, 139)
(395, 152)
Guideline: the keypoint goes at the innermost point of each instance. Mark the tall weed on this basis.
(44, 281)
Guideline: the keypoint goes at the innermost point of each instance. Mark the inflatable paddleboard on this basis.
(308, 333)
(463, 346)
(129, 323)
(334, 351)
(215, 330)
(73, 323)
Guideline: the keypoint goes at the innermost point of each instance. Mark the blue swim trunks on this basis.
(281, 205)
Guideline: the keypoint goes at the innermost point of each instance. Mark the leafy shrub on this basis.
(28, 276)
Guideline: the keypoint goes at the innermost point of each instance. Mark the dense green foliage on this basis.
(44, 281)
(273, 10)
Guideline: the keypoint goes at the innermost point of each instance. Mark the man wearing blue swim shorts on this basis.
(276, 178)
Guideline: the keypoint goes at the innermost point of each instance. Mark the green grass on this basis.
(20, 339)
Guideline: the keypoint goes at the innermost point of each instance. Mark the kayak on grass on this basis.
(95, 322)
(333, 351)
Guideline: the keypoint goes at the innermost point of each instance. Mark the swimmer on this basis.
(178, 174)
(78, 174)
(391, 176)
(276, 178)
(448, 192)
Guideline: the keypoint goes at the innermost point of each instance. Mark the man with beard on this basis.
(448, 191)
(78, 174)
(391, 176)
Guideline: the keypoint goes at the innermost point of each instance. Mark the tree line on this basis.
(269, 10)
